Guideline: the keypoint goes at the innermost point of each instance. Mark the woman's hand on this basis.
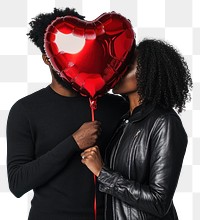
(92, 159)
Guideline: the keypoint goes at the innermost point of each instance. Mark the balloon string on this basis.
(95, 199)
(92, 109)
(93, 106)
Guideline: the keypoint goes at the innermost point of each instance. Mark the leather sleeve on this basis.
(168, 145)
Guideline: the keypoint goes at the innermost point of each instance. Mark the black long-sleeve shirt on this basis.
(42, 154)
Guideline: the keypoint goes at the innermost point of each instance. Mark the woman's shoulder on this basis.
(166, 118)
(163, 117)
(163, 113)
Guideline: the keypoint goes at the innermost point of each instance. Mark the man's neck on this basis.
(62, 90)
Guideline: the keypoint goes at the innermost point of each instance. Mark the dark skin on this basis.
(86, 136)
(91, 157)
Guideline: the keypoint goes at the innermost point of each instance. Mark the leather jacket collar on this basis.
(139, 113)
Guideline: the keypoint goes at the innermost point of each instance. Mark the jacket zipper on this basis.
(112, 161)
(131, 153)
(114, 153)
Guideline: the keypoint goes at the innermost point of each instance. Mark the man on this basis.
(46, 133)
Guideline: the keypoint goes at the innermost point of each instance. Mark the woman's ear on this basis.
(46, 59)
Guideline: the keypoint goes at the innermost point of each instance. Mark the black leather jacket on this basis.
(145, 160)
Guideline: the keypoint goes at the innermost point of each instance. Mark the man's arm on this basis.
(24, 171)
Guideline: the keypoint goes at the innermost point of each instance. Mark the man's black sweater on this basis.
(42, 154)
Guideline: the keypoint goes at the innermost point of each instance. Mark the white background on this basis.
(23, 72)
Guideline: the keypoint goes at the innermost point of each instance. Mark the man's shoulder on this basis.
(115, 98)
(116, 102)
(34, 97)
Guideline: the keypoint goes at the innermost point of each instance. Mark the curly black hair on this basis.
(163, 76)
(41, 22)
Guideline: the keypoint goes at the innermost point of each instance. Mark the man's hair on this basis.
(162, 75)
(41, 22)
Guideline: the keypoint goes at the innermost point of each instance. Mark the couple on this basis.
(137, 159)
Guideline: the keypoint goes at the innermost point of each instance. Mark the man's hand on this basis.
(86, 136)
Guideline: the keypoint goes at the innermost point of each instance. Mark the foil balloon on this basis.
(90, 55)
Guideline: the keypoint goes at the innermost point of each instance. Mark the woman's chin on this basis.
(114, 91)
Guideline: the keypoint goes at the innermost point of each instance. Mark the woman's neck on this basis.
(133, 100)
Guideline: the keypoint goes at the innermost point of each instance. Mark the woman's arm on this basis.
(168, 145)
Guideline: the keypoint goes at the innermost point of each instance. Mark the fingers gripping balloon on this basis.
(90, 55)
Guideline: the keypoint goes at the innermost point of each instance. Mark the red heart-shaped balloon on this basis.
(91, 55)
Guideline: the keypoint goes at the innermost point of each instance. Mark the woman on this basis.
(145, 155)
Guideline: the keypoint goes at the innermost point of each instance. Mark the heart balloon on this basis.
(90, 55)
